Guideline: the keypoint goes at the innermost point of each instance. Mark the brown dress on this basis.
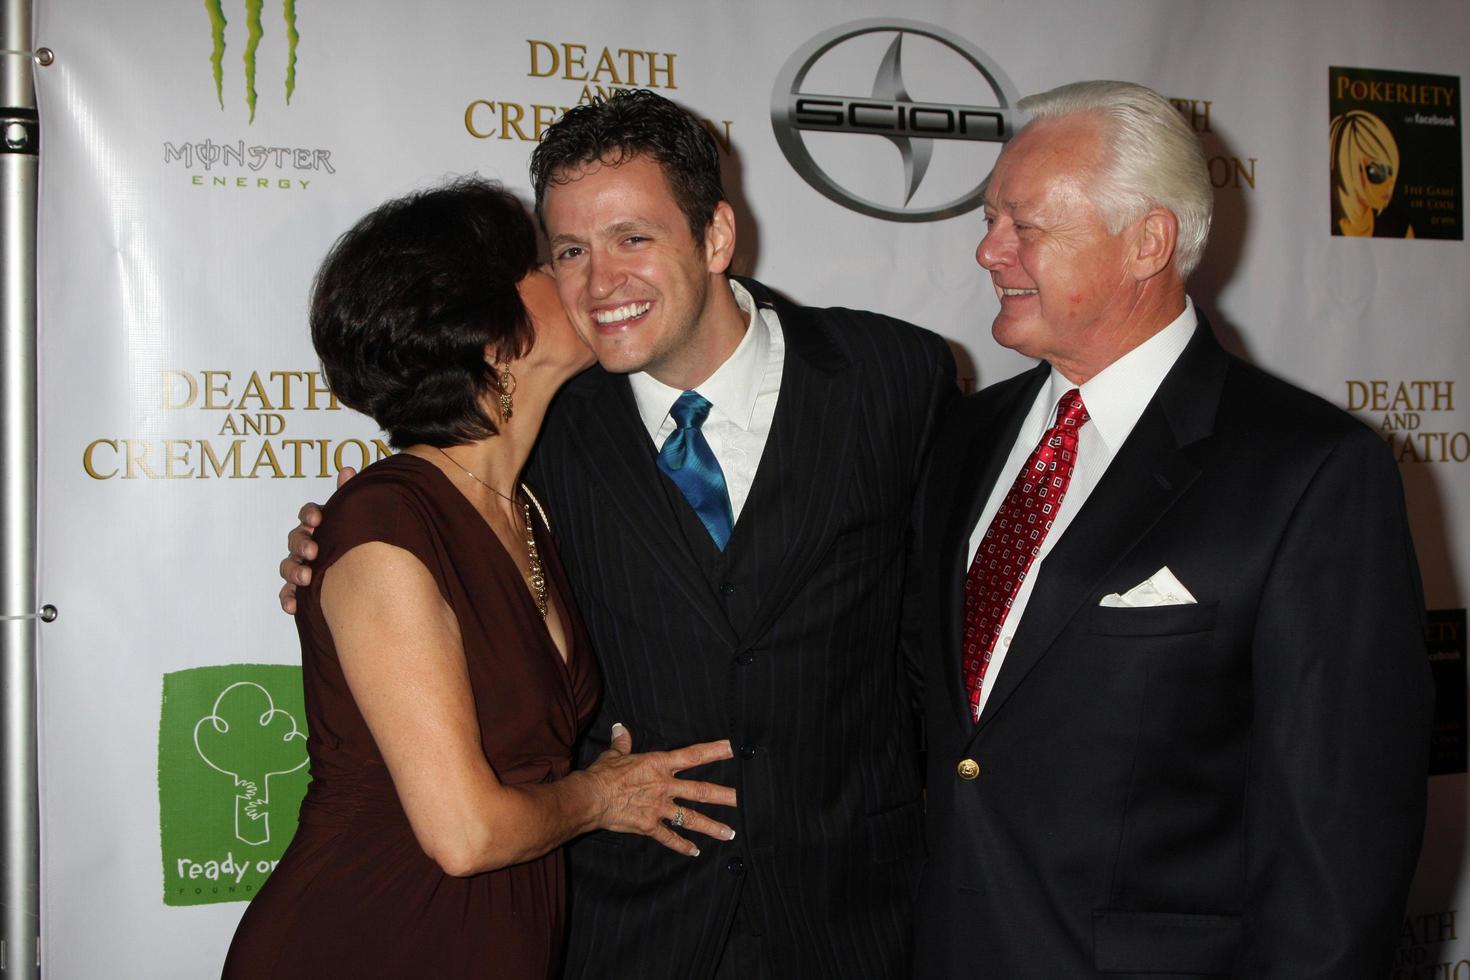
(354, 894)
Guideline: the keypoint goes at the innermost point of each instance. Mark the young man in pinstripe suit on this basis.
(774, 625)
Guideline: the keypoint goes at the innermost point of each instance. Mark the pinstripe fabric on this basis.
(786, 645)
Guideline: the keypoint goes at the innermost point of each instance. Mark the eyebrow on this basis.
(1011, 205)
(619, 228)
(633, 224)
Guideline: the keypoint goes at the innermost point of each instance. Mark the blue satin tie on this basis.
(688, 460)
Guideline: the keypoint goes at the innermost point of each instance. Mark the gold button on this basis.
(968, 768)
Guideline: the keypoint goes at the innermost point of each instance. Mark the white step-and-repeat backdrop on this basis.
(199, 157)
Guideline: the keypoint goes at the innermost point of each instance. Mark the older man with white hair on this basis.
(1170, 618)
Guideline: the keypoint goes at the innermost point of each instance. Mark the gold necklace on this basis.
(534, 571)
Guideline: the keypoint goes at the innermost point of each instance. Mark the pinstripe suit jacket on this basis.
(786, 645)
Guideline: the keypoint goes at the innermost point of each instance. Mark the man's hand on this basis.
(301, 548)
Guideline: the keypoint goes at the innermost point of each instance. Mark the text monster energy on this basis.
(254, 31)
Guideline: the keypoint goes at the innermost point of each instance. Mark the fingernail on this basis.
(617, 726)
(729, 835)
(695, 854)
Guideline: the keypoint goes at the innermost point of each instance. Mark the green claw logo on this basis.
(254, 32)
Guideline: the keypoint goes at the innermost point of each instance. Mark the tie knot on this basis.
(1071, 413)
(690, 410)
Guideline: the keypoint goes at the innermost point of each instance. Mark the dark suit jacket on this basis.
(1234, 787)
(787, 645)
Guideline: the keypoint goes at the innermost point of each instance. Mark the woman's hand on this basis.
(642, 794)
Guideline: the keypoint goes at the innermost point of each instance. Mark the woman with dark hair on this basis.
(446, 672)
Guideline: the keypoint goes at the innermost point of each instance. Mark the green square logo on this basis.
(231, 775)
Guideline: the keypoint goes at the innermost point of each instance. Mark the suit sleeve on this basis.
(942, 393)
(1343, 700)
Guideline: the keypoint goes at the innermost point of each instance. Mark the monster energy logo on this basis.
(254, 32)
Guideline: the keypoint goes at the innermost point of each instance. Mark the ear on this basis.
(1155, 237)
(719, 239)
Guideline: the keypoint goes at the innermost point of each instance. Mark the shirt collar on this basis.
(1117, 395)
(732, 389)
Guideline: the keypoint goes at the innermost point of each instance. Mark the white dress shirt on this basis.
(1115, 399)
(742, 394)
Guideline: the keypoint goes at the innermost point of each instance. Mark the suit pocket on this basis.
(1194, 617)
(604, 838)
(873, 541)
(1160, 942)
(897, 833)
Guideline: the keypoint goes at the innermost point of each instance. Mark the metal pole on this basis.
(20, 905)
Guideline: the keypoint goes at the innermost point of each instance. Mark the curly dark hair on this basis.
(407, 302)
(632, 123)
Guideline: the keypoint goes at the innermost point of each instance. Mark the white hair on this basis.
(1155, 160)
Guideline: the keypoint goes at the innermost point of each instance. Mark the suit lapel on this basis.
(985, 441)
(619, 455)
(1150, 472)
(787, 519)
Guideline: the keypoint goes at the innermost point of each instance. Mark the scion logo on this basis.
(254, 31)
(889, 112)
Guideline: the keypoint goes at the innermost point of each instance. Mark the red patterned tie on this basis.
(1014, 538)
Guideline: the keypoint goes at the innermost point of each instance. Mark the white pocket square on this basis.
(1161, 589)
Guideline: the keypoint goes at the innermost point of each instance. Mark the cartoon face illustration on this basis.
(1365, 169)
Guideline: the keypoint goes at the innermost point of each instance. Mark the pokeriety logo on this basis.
(941, 101)
(255, 33)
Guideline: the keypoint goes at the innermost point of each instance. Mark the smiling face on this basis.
(1067, 287)
(643, 294)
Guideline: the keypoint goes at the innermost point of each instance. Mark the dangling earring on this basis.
(507, 388)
